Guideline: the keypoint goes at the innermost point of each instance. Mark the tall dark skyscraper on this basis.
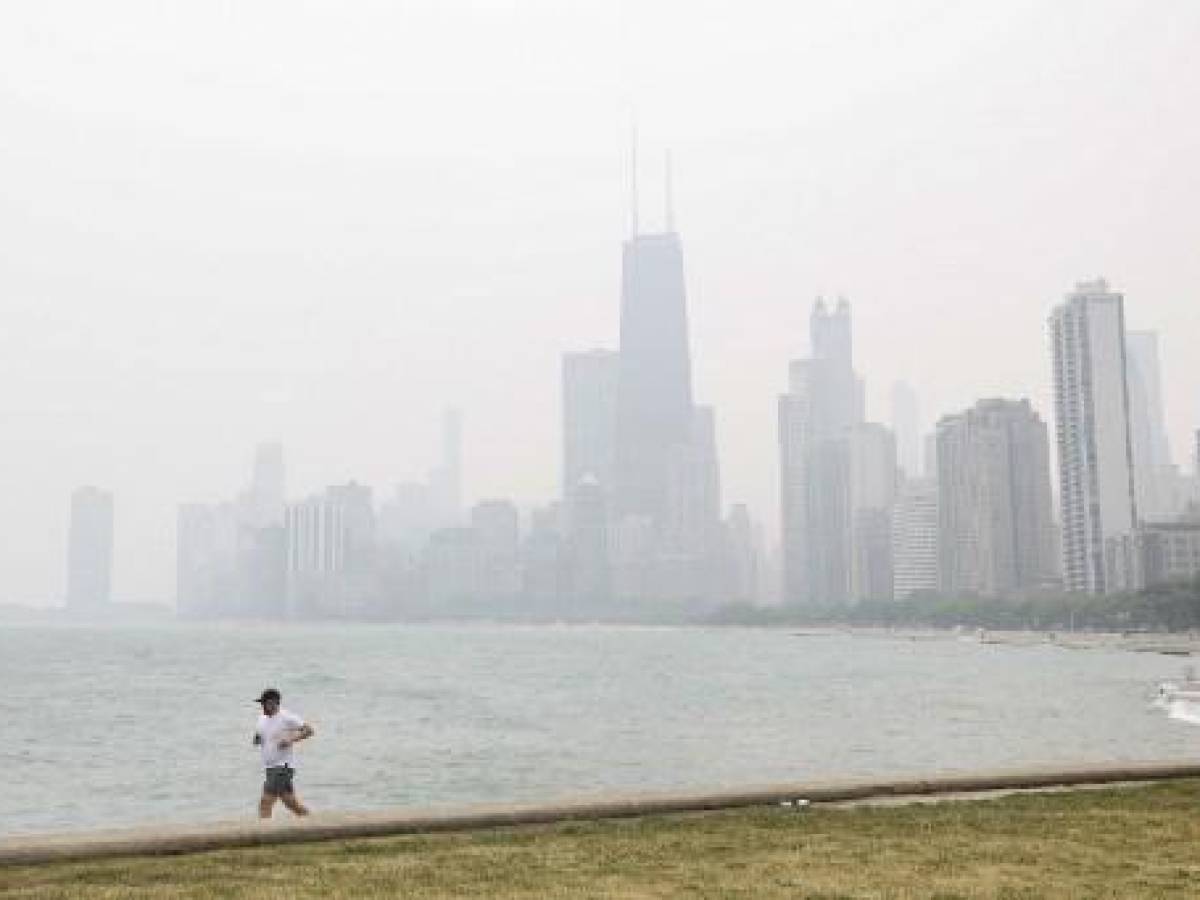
(654, 395)
(666, 482)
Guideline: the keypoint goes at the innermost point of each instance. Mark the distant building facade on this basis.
(906, 425)
(90, 550)
(746, 554)
(1154, 553)
(588, 546)
(454, 572)
(590, 390)
(1091, 406)
(996, 531)
(915, 538)
(330, 554)
(445, 480)
(497, 527)
(872, 483)
(1155, 477)
(230, 557)
(589, 417)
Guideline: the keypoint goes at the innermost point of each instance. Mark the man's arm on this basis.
(304, 732)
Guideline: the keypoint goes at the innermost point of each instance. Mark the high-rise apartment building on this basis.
(996, 532)
(589, 417)
(915, 538)
(1091, 407)
(90, 549)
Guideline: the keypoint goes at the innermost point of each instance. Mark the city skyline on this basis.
(171, 298)
(997, 533)
(831, 366)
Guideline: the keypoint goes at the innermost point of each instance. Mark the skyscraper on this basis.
(262, 504)
(654, 397)
(589, 411)
(906, 425)
(1153, 475)
(666, 486)
(1091, 410)
(90, 550)
(996, 533)
(823, 403)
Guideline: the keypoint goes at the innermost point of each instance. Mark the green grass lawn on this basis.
(1121, 842)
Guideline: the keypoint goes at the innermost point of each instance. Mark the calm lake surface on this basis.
(138, 725)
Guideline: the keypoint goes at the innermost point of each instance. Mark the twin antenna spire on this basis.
(668, 193)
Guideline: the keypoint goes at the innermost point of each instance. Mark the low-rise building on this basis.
(1154, 553)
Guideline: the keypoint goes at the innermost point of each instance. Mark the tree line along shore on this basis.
(1167, 608)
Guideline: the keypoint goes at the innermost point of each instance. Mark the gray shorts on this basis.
(278, 780)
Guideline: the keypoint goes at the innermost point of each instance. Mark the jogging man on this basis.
(277, 730)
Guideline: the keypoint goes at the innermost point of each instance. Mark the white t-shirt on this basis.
(270, 730)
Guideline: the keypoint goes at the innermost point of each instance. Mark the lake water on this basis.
(138, 725)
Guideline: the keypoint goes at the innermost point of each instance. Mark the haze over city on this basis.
(283, 222)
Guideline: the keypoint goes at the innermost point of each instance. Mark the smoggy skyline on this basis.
(289, 222)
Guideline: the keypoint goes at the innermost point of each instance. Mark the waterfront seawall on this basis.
(163, 840)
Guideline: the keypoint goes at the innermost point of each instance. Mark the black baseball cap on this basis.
(269, 694)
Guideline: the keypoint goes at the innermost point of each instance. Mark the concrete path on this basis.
(154, 841)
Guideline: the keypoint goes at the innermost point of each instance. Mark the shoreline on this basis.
(1162, 642)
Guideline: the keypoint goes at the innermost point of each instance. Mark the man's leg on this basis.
(292, 802)
(265, 804)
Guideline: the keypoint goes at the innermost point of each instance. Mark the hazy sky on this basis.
(322, 222)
